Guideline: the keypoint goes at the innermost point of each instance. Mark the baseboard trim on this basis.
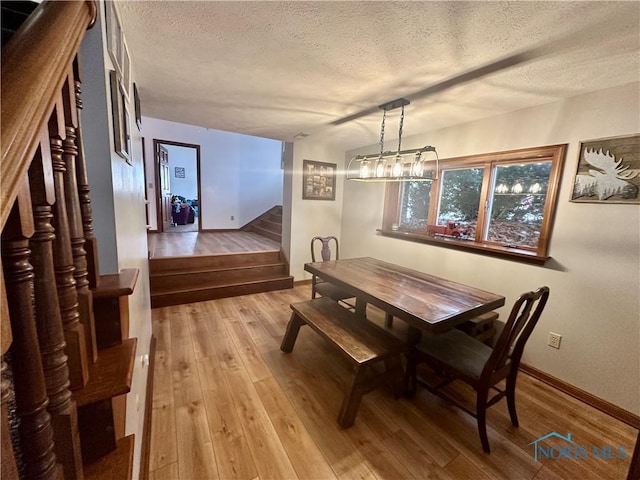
(299, 283)
(145, 450)
(604, 406)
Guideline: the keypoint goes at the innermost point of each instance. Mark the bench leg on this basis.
(388, 320)
(290, 336)
(411, 375)
(393, 371)
(352, 398)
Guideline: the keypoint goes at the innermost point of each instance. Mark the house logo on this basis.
(561, 447)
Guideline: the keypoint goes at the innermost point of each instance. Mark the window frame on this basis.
(553, 153)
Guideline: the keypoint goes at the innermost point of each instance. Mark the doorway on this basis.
(178, 200)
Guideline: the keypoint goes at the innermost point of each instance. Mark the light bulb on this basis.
(364, 169)
(380, 168)
(397, 168)
(417, 169)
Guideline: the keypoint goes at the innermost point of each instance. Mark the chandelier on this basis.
(400, 166)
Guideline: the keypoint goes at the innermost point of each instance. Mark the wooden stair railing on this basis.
(60, 377)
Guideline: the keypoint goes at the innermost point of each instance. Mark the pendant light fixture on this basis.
(400, 166)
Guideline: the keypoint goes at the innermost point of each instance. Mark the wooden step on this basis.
(204, 262)
(116, 464)
(275, 217)
(110, 376)
(271, 226)
(179, 296)
(102, 400)
(266, 233)
(202, 277)
(110, 306)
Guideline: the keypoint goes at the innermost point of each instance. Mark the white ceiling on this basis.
(276, 69)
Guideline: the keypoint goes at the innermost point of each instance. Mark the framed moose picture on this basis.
(608, 171)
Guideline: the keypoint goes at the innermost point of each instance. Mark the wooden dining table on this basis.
(425, 302)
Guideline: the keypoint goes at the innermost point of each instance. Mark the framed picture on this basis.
(608, 171)
(126, 69)
(121, 125)
(136, 106)
(179, 172)
(318, 180)
(114, 35)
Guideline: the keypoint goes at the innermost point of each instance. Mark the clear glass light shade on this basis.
(408, 165)
(535, 188)
(517, 188)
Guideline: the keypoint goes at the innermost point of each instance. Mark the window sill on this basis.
(482, 248)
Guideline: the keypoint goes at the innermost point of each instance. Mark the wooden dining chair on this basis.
(455, 355)
(320, 286)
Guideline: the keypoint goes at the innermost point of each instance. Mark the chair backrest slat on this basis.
(517, 330)
(325, 252)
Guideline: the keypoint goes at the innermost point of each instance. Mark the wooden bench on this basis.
(363, 343)
(482, 327)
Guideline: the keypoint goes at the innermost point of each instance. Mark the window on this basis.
(499, 203)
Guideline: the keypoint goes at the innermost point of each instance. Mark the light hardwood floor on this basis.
(227, 403)
(184, 244)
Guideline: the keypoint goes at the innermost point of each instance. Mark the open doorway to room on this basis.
(178, 199)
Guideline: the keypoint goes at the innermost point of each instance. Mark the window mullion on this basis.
(481, 227)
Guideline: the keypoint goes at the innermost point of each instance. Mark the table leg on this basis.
(361, 307)
(413, 336)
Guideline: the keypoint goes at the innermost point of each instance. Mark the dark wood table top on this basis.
(425, 302)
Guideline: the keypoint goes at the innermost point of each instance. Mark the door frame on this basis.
(157, 142)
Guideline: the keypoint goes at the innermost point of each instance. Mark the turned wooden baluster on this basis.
(80, 274)
(36, 433)
(48, 320)
(9, 468)
(74, 334)
(91, 244)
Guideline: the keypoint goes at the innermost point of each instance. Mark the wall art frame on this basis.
(121, 122)
(136, 106)
(126, 69)
(114, 35)
(608, 171)
(318, 180)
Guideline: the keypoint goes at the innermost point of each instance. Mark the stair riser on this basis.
(266, 233)
(184, 264)
(214, 277)
(166, 300)
(271, 226)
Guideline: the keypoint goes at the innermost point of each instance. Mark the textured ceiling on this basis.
(276, 69)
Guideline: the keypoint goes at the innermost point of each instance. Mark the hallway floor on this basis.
(183, 244)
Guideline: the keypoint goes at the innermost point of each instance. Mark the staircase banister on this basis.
(35, 63)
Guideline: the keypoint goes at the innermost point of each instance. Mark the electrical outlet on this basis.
(232, 217)
(554, 340)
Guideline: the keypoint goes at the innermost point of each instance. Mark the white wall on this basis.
(184, 157)
(310, 218)
(225, 160)
(594, 275)
(261, 177)
(117, 195)
(287, 192)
